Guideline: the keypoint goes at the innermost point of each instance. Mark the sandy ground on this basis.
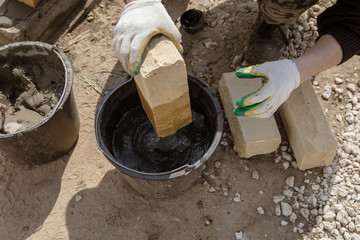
(82, 196)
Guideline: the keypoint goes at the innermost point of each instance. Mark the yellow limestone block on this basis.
(31, 3)
(252, 136)
(163, 87)
(309, 133)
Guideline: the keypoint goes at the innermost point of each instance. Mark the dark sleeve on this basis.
(342, 21)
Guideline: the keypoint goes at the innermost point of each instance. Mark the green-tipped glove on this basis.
(139, 22)
(280, 78)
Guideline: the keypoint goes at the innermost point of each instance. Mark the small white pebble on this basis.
(278, 198)
(239, 235)
(339, 80)
(255, 175)
(314, 212)
(338, 117)
(224, 143)
(284, 223)
(277, 210)
(293, 217)
(326, 94)
(286, 165)
(78, 197)
(288, 193)
(286, 156)
(349, 117)
(351, 87)
(278, 159)
(286, 209)
(294, 164)
(290, 181)
(217, 164)
(260, 210)
(237, 197)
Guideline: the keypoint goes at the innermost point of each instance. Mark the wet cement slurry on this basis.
(136, 145)
(28, 93)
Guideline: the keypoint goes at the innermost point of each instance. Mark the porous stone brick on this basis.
(252, 136)
(163, 87)
(308, 130)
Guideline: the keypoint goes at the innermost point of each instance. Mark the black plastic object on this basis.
(56, 133)
(123, 97)
(192, 20)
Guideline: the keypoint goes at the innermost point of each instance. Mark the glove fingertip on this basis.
(239, 112)
(175, 40)
(135, 69)
(239, 73)
(134, 73)
(181, 51)
(179, 47)
(240, 102)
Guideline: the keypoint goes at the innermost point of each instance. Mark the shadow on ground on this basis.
(27, 195)
(197, 213)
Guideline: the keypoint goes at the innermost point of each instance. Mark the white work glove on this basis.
(280, 78)
(139, 22)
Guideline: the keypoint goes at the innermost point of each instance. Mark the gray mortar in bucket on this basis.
(122, 98)
(39, 119)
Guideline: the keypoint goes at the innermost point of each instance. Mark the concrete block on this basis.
(308, 130)
(31, 3)
(20, 22)
(163, 87)
(252, 136)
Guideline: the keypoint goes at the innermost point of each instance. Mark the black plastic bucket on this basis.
(56, 133)
(193, 20)
(123, 97)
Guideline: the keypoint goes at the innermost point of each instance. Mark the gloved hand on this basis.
(139, 22)
(280, 78)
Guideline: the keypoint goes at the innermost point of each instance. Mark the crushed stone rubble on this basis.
(322, 206)
(328, 205)
(325, 205)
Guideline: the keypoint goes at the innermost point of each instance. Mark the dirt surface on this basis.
(82, 196)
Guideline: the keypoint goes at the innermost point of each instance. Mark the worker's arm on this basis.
(139, 22)
(341, 21)
(325, 54)
(339, 31)
(283, 76)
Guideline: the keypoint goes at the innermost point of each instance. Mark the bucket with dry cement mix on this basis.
(38, 116)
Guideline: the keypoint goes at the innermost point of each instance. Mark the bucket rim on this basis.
(175, 173)
(68, 82)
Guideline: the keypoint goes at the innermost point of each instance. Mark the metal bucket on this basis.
(123, 97)
(56, 133)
